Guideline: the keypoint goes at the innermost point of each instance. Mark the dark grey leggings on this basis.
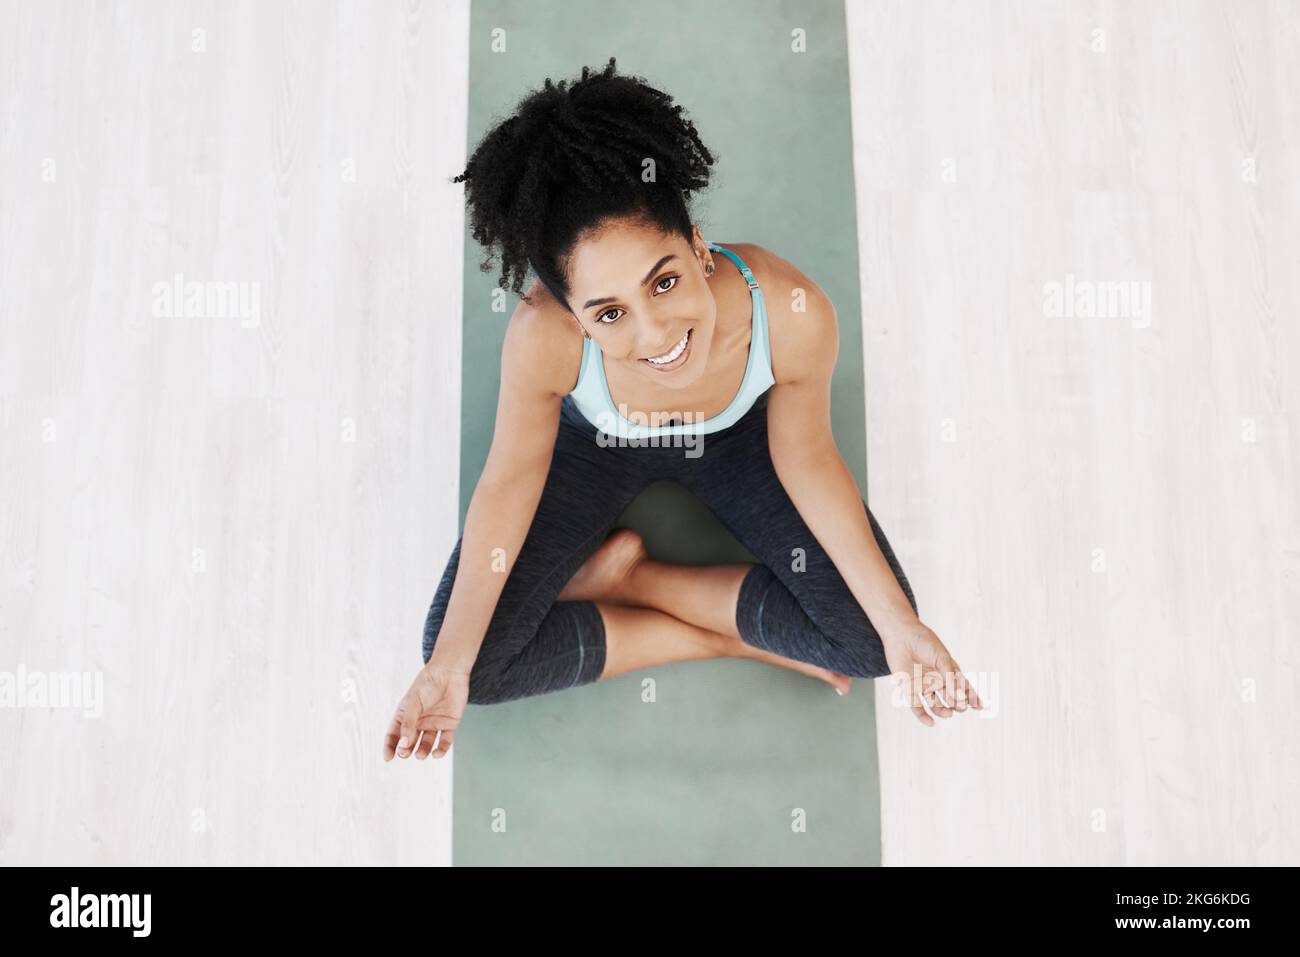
(793, 603)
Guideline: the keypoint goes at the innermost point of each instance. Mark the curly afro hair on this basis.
(572, 157)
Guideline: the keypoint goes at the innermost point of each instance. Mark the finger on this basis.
(426, 744)
(974, 698)
(391, 738)
(954, 686)
(953, 693)
(964, 688)
(444, 744)
(966, 693)
(408, 712)
(934, 695)
(916, 698)
(959, 691)
(937, 706)
(962, 691)
(431, 725)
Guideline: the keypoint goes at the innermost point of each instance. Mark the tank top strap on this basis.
(740, 264)
(761, 340)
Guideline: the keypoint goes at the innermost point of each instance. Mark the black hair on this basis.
(572, 157)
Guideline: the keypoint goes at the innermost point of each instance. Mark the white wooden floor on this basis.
(1098, 513)
(239, 523)
(235, 520)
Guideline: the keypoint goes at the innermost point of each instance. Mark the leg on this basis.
(812, 615)
(622, 573)
(794, 602)
(643, 637)
(530, 647)
(534, 644)
(670, 611)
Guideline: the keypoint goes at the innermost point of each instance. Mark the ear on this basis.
(699, 246)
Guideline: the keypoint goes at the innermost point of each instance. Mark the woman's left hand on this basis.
(921, 667)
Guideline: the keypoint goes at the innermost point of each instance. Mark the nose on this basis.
(661, 335)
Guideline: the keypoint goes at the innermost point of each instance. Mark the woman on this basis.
(646, 353)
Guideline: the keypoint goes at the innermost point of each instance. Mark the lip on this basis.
(679, 361)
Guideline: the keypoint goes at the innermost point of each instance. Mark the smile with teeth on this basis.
(672, 354)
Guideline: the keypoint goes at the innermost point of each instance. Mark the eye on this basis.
(658, 288)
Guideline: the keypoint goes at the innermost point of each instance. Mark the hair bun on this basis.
(571, 157)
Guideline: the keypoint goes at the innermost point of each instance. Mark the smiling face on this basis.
(646, 301)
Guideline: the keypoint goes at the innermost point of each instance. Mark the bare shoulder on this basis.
(802, 326)
(543, 345)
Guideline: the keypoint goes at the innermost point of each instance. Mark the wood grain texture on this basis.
(238, 523)
(1099, 513)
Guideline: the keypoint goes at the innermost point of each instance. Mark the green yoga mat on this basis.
(734, 762)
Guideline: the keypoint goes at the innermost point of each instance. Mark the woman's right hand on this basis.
(435, 702)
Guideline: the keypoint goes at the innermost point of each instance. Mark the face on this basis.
(645, 301)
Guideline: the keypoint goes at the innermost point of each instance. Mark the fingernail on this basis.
(839, 692)
(401, 745)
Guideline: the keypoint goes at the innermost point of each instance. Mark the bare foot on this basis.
(606, 575)
(839, 682)
(603, 574)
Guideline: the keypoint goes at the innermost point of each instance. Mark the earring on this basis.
(708, 268)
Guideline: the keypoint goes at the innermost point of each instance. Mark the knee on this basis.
(864, 659)
(491, 679)
(486, 682)
(485, 688)
(855, 648)
(490, 682)
(486, 678)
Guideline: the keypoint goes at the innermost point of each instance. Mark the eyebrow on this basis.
(653, 269)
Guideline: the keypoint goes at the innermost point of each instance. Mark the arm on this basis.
(539, 364)
(813, 472)
(819, 483)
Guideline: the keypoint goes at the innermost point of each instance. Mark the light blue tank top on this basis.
(591, 394)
